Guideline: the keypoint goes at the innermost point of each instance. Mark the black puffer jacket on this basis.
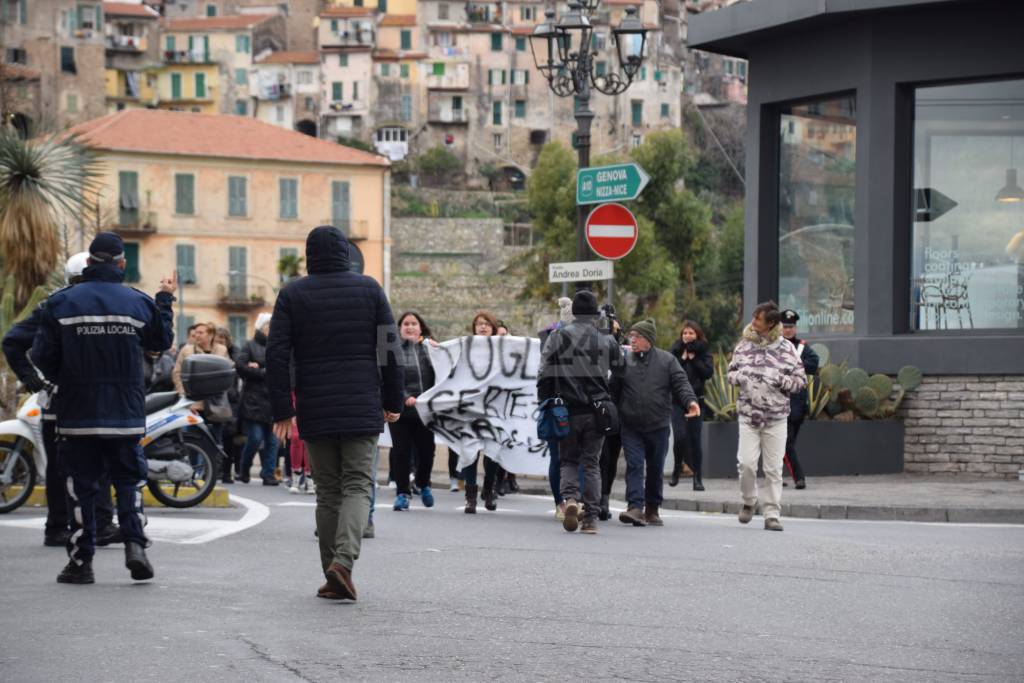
(333, 322)
(700, 368)
(255, 403)
(419, 372)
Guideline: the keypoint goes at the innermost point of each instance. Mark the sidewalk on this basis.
(904, 497)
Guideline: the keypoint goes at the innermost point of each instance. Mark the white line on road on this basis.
(255, 513)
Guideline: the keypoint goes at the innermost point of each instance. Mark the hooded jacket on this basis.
(767, 370)
(577, 363)
(338, 327)
(90, 343)
(255, 402)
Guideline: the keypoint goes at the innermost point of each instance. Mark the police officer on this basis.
(797, 400)
(90, 343)
(16, 345)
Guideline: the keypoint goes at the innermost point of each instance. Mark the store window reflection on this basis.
(968, 225)
(817, 164)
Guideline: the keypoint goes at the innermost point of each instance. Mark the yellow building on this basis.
(221, 199)
(132, 55)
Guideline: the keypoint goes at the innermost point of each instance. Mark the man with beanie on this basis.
(335, 329)
(767, 370)
(90, 343)
(652, 381)
(254, 406)
(576, 363)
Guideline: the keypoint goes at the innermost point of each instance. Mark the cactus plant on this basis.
(909, 378)
(720, 396)
(881, 385)
(824, 355)
(866, 401)
(854, 379)
(831, 375)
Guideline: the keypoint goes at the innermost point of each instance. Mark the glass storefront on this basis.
(968, 227)
(817, 165)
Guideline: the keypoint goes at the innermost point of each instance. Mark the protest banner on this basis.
(485, 400)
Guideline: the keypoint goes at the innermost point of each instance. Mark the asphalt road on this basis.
(510, 596)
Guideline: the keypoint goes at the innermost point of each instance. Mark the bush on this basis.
(437, 166)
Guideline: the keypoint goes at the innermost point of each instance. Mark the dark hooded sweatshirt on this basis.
(334, 325)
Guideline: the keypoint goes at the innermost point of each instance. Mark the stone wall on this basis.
(446, 269)
(966, 425)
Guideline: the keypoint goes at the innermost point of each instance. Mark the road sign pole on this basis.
(584, 117)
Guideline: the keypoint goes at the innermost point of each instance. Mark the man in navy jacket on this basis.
(90, 343)
(335, 329)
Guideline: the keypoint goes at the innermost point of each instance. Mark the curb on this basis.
(218, 498)
(894, 513)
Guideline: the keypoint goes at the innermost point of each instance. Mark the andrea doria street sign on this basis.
(616, 183)
(581, 271)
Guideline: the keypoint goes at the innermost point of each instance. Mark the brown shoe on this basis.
(589, 527)
(633, 516)
(746, 514)
(772, 524)
(339, 583)
(651, 516)
(572, 515)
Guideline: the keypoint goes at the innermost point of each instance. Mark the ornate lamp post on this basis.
(564, 55)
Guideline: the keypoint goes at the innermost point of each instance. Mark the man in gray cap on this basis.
(90, 343)
(652, 381)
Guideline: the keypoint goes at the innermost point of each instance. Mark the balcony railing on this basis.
(240, 296)
(276, 91)
(135, 222)
(126, 43)
(453, 80)
(349, 108)
(359, 37)
(440, 115)
(186, 57)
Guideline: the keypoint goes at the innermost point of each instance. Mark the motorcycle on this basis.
(182, 455)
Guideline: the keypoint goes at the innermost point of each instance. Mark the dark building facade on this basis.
(884, 204)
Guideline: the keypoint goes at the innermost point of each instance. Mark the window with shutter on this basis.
(241, 77)
(406, 112)
(131, 259)
(637, 112)
(200, 86)
(341, 209)
(237, 196)
(185, 262)
(128, 197)
(404, 71)
(238, 326)
(289, 197)
(175, 86)
(406, 38)
(238, 264)
(439, 68)
(169, 44)
(184, 193)
(336, 91)
(496, 113)
(496, 42)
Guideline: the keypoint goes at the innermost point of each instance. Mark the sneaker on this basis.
(294, 487)
(772, 524)
(401, 502)
(746, 514)
(453, 485)
(428, 497)
(310, 486)
(589, 527)
(368, 532)
(560, 512)
(572, 520)
(109, 534)
(634, 516)
(392, 485)
(289, 482)
(79, 574)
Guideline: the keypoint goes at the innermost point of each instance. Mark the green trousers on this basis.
(343, 472)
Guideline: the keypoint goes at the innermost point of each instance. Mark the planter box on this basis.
(826, 448)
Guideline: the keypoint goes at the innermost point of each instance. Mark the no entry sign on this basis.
(611, 231)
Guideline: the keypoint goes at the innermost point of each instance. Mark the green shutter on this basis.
(496, 113)
(175, 86)
(184, 193)
(496, 41)
(439, 68)
(200, 85)
(128, 197)
(385, 69)
(185, 261)
(289, 202)
(23, 11)
(237, 196)
(131, 258)
(404, 71)
(336, 91)
(169, 44)
(520, 109)
(334, 25)
(237, 269)
(355, 90)
(241, 77)
(341, 208)
(637, 107)
(343, 59)
(520, 44)
(206, 48)
(191, 44)
(490, 77)
(406, 40)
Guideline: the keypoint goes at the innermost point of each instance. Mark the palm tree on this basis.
(42, 182)
(289, 266)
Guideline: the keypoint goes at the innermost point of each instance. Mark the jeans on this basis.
(86, 460)
(409, 436)
(582, 448)
(767, 442)
(257, 433)
(343, 471)
(555, 472)
(645, 449)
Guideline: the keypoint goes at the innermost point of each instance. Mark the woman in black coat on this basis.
(691, 350)
(254, 407)
(409, 433)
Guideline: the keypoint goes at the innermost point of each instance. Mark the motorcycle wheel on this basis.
(203, 458)
(23, 480)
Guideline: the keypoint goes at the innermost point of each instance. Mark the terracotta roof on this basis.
(398, 20)
(18, 72)
(522, 30)
(294, 57)
(346, 12)
(213, 135)
(216, 23)
(129, 9)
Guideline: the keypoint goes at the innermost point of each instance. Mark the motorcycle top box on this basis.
(206, 376)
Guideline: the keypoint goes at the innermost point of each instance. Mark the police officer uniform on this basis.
(798, 402)
(90, 343)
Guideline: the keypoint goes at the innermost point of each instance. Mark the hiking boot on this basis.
(633, 516)
(746, 514)
(136, 562)
(513, 485)
(490, 499)
(801, 484)
(589, 527)
(79, 574)
(698, 483)
(772, 524)
(57, 539)
(109, 534)
(428, 497)
(339, 584)
(572, 515)
(651, 516)
(401, 502)
(368, 531)
(471, 500)
(604, 514)
(676, 471)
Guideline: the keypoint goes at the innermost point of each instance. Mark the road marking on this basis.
(183, 531)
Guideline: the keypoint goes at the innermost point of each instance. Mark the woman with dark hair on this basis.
(409, 434)
(484, 325)
(222, 336)
(691, 350)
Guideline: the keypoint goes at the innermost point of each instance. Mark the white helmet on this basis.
(75, 265)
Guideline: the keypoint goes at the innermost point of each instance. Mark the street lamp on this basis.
(564, 55)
